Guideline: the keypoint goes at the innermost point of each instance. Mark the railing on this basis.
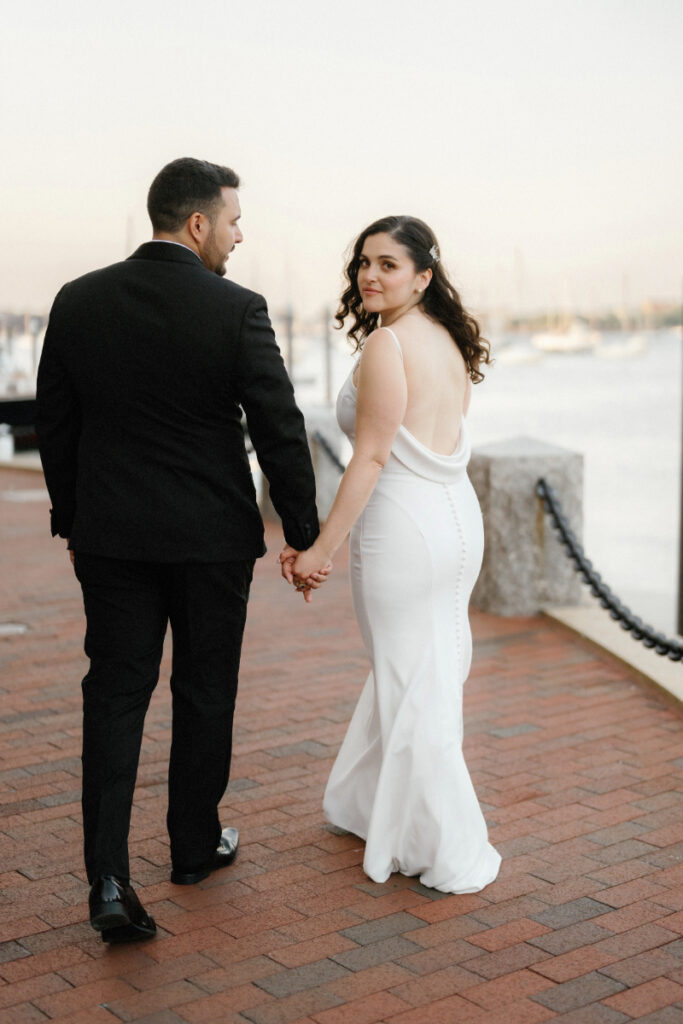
(618, 611)
(327, 448)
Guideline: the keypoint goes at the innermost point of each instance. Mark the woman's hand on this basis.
(311, 568)
(313, 578)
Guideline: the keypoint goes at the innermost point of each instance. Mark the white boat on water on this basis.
(578, 337)
(517, 354)
(623, 348)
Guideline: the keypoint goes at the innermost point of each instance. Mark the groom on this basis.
(146, 368)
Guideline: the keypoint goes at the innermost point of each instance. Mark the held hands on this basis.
(306, 570)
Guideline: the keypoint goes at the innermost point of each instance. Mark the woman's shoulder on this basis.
(413, 326)
(382, 338)
(381, 357)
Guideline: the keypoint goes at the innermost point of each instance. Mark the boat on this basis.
(623, 348)
(578, 337)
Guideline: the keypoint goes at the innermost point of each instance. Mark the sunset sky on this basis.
(541, 140)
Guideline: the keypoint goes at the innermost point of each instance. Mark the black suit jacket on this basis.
(145, 370)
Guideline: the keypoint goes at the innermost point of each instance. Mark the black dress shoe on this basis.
(221, 857)
(129, 933)
(117, 913)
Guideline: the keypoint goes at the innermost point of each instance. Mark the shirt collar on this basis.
(169, 241)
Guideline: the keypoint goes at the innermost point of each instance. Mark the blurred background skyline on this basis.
(542, 142)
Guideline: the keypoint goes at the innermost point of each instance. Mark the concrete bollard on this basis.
(525, 568)
(322, 419)
(319, 419)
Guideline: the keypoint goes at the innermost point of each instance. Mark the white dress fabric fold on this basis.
(400, 780)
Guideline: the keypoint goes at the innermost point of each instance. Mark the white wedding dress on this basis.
(400, 779)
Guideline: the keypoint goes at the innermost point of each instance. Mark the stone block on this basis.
(525, 567)
(319, 420)
(322, 420)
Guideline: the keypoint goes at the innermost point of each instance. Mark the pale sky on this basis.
(541, 140)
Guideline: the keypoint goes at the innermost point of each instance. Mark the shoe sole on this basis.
(130, 933)
(113, 916)
(192, 877)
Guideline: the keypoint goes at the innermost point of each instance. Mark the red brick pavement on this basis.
(580, 771)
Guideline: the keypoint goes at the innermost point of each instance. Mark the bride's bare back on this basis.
(437, 382)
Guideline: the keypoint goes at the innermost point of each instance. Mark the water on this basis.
(620, 408)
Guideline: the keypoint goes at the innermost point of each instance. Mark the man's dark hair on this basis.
(185, 186)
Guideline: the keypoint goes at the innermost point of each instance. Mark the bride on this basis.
(400, 780)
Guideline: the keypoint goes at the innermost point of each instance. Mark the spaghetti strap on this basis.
(398, 343)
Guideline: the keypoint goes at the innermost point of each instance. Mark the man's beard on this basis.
(218, 265)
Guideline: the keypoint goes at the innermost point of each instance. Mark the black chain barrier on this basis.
(326, 447)
(623, 615)
(618, 611)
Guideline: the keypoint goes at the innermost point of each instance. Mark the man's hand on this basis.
(71, 553)
(287, 558)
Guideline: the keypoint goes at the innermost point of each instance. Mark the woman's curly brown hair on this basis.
(440, 300)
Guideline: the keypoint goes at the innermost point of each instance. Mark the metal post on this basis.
(680, 526)
(289, 330)
(327, 339)
(129, 235)
(35, 334)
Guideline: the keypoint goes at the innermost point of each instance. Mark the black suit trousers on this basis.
(128, 606)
